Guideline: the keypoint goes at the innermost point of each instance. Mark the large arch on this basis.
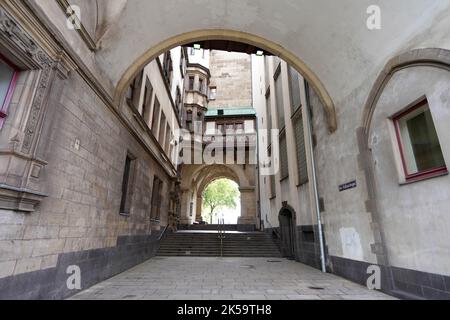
(237, 36)
(434, 57)
(196, 178)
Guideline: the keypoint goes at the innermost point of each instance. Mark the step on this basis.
(200, 244)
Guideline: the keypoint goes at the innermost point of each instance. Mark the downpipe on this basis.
(314, 178)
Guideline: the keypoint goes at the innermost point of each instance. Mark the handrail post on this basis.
(221, 232)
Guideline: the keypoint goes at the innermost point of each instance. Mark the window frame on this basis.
(10, 91)
(421, 175)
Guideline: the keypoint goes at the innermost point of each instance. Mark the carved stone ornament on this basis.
(22, 42)
(23, 196)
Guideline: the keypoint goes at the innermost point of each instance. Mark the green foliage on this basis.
(220, 194)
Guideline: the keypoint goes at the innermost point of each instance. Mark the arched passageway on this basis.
(221, 203)
(196, 178)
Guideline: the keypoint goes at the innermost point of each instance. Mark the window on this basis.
(279, 97)
(167, 139)
(269, 118)
(134, 90)
(419, 144)
(297, 121)
(199, 122)
(162, 128)
(148, 92)
(220, 129)
(272, 190)
(229, 127)
(212, 93)
(168, 67)
(183, 63)
(155, 117)
(127, 185)
(284, 169)
(178, 101)
(189, 120)
(191, 83)
(8, 79)
(156, 199)
(200, 85)
(294, 86)
(266, 72)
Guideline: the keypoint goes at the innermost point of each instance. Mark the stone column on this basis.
(185, 205)
(248, 206)
(198, 209)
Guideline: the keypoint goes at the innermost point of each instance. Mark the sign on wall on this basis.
(347, 186)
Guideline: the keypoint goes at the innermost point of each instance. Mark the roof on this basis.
(231, 111)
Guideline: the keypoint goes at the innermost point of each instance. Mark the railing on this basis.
(162, 233)
(277, 233)
(221, 233)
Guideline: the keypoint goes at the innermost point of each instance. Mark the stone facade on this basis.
(231, 75)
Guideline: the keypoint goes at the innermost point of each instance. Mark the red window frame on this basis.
(422, 174)
(9, 92)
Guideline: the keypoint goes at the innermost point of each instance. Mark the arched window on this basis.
(8, 79)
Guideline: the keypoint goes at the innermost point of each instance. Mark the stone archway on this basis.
(237, 36)
(430, 57)
(196, 178)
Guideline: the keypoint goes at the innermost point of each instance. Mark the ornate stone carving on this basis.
(21, 41)
(35, 111)
(11, 30)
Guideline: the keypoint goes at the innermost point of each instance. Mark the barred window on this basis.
(300, 147)
(279, 98)
(272, 190)
(145, 110)
(294, 89)
(284, 167)
(156, 199)
(127, 184)
(155, 117)
(269, 118)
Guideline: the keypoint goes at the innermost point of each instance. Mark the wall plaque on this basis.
(347, 186)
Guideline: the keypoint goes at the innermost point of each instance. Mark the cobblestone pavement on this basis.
(192, 278)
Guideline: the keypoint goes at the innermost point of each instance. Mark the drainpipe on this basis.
(314, 178)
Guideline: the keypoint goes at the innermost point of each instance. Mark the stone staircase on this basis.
(206, 243)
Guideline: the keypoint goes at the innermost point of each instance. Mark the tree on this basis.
(221, 193)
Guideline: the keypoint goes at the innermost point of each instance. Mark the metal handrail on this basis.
(221, 233)
(162, 233)
(274, 230)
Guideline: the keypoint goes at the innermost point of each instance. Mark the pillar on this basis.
(248, 206)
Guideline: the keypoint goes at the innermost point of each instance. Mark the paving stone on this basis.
(187, 278)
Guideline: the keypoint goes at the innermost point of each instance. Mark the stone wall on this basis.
(231, 74)
(85, 149)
